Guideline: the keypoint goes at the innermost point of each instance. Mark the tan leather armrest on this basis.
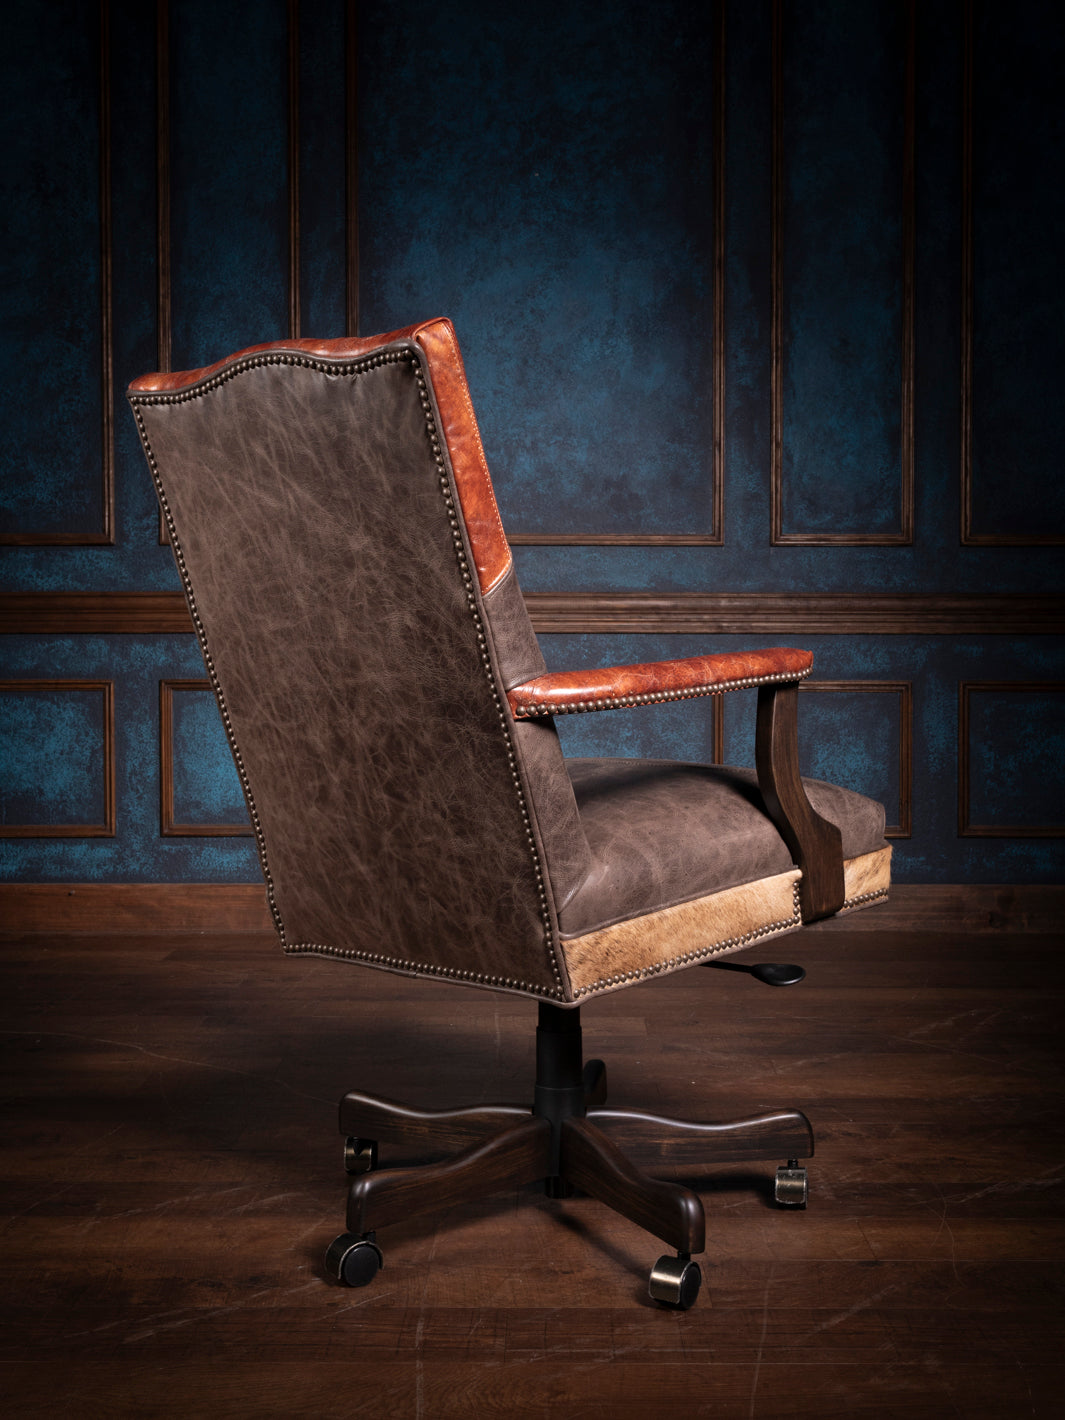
(652, 682)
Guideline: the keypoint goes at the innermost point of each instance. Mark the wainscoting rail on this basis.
(693, 613)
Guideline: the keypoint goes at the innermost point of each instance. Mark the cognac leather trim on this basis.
(491, 551)
(436, 339)
(343, 348)
(648, 683)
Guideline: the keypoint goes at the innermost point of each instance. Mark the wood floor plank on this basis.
(171, 1175)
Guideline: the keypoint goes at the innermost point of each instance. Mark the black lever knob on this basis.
(773, 973)
(776, 973)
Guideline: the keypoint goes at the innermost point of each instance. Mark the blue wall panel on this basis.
(137, 852)
(136, 561)
(322, 158)
(54, 746)
(843, 128)
(854, 737)
(1018, 176)
(53, 283)
(1016, 754)
(548, 180)
(206, 787)
(229, 195)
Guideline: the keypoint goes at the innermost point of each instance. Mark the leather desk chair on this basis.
(392, 722)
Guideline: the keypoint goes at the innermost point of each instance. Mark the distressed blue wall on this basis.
(546, 183)
(547, 179)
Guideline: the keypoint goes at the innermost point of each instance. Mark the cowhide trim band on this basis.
(642, 947)
(866, 879)
(735, 918)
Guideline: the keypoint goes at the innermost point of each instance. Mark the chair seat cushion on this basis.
(662, 832)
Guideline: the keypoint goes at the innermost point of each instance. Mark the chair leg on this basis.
(374, 1117)
(518, 1155)
(569, 1139)
(786, 1133)
(668, 1210)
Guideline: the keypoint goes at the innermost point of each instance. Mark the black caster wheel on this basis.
(792, 1186)
(675, 1282)
(353, 1260)
(360, 1155)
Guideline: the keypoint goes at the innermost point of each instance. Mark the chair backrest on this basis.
(337, 537)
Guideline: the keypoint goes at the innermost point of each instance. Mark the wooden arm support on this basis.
(815, 844)
(653, 682)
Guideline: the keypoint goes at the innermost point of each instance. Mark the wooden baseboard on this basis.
(242, 907)
(959, 907)
(134, 907)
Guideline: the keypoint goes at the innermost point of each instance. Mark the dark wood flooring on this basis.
(172, 1174)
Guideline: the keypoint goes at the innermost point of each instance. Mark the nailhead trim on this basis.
(622, 702)
(865, 897)
(201, 637)
(250, 362)
(673, 963)
(356, 368)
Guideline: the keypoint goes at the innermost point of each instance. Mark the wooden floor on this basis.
(172, 1174)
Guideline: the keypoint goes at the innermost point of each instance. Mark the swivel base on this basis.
(570, 1140)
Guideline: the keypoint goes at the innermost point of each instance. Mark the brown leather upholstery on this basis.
(334, 523)
(331, 586)
(662, 833)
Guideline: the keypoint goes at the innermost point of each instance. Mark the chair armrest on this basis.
(653, 682)
(815, 844)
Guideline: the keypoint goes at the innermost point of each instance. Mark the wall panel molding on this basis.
(104, 536)
(966, 828)
(970, 537)
(106, 828)
(93, 613)
(715, 537)
(778, 535)
(351, 164)
(163, 138)
(700, 613)
(294, 169)
(167, 825)
(162, 191)
(904, 690)
(796, 614)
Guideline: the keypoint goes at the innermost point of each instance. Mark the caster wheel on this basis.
(360, 1155)
(792, 1187)
(352, 1260)
(675, 1282)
